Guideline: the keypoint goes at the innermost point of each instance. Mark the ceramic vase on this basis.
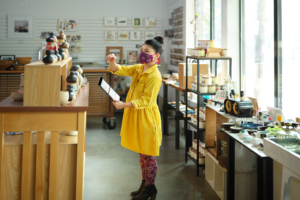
(62, 54)
(49, 58)
(64, 97)
(59, 58)
(65, 46)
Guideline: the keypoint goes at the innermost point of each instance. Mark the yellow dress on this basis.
(141, 126)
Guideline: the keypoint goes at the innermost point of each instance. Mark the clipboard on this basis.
(108, 90)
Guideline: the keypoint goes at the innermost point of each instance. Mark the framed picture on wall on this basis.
(137, 22)
(135, 35)
(122, 21)
(150, 21)
(67, 25)
(110, 35)
(109, 21)
(149, 35)
(20, 26)
(123, 35)
(10, 57)
(132, 57)
(118, 51)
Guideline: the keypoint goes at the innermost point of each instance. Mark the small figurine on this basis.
(51, 42)
(50, 58)
(65, 46)
(61, 37)
(59, 58)
(62, 54)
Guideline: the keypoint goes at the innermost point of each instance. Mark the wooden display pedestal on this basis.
(43, 83)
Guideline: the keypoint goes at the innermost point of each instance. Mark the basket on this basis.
(18, 67)
(6, 63)
(23, 60)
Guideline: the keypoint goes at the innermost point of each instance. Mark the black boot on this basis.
(148, 191)
(135, 193)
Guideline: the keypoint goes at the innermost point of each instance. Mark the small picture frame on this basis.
(135, 35)
(123, 35)
(122, 21)
(109, 21)
(137, 22)
(7, 57)
(149, 35)
(110, 35)
(150, 21)
(132, 57)
(118, 51)
(20, 26)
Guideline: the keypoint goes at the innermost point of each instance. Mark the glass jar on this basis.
(211, 43)
(203, 88)
(175, 76)
(211, 88)
(202, 53)
(214, 80)
(207, 80)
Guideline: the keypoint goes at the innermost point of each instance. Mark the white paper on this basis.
(190, 70)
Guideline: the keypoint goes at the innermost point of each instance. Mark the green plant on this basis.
(274, 131)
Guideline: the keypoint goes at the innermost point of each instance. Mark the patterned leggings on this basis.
(149, 168)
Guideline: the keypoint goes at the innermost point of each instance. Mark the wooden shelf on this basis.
(195, 161)
(212, 151)
(194, 91)
(181, 89)
(11, 72)
(209, 58)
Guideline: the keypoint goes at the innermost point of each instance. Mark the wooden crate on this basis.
(9, 83)
(99, 101)
(43, 83)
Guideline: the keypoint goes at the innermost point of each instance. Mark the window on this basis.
(289, 78)
(203, 23)
(258, 50)
(217, 29)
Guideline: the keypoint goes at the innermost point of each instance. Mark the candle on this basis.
(212, 89)
(202, 52)
(211, 43)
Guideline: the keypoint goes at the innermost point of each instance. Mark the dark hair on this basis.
(156, 43)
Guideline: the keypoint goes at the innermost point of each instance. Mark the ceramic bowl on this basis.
(242, 135)
(262, 134)
(250, 126)
(235, 129)
(250, 131)
(17, 96)
(256, 141)
(248, 139)
(260, 147)
(262, 128)
(166, 76)
(227, 126)
(64, 97)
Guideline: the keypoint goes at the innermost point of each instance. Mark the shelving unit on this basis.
(200, 101)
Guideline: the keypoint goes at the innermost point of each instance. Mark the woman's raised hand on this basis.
(111, 59)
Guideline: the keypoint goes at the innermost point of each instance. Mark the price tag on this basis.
(119, 27)
(147, 28)
(136, 28)
(106, 41)
(120, 42)
(106, 26)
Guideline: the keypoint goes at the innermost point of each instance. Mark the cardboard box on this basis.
(192, 71)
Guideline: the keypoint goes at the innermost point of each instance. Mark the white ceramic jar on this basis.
(211, 88)
(207, 80)
(203, 88)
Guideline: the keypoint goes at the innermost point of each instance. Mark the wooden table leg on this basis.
(80, 155)
(53, 165)
(39, 172)
(26, 157)
(1, 149)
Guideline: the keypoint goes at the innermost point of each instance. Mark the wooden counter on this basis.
(47, 164)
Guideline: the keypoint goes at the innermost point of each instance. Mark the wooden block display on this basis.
(43, 83)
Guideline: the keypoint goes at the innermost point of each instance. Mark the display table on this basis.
(178, 115)
(47, 163)
(249, 170)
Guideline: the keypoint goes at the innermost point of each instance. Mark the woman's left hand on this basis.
(118, 104)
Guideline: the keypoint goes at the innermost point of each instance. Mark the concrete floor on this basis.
(112, 172)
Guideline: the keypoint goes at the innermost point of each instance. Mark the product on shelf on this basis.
(72, 93)
(62, 54)
(51, 42)
(61, 37)
(65, 46)
(59, 58)
(72, 79)
(203, 88)
(49, 58)
(211, 88)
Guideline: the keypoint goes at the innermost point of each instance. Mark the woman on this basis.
(141, 126)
